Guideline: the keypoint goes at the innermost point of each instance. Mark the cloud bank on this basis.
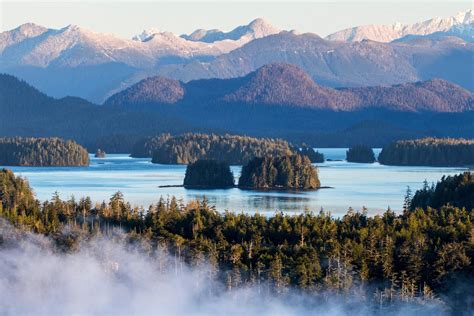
(107, 276)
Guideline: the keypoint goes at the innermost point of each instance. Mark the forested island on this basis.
(314, 156)
(208, 174)
(293, 172)
(438, 152)
(233, 149)
(416, 257)
(43, 152)
(360, 154)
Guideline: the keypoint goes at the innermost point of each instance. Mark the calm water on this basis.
(371, 185)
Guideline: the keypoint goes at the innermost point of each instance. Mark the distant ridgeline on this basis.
(287, 172)
(429, 152)
(188, 148)
(360, 154)
(22, 151)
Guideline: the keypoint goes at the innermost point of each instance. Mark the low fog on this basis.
(107, 276)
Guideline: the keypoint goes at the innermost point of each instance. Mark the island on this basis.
(360, 154)
(292, 172)
(436, 152)
(283, 244)
(41, 152)
(190, 147)
(100, 153)
(314, 156)
(208, 174)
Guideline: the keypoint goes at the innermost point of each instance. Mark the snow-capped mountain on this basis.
(19, 34)
(72, 46)
(453, 25)
(80, 62)
(258, 28)
(35, 45)
(146, 34)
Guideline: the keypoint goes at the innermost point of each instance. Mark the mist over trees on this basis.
(208, 174)
(22, 151)
(429, 152)
(233, 149)
(383, 260)
(293, 172)
(360, 154)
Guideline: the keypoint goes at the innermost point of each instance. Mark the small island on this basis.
(100, 153)
(293, 172)
(41, 152)
(207, 174)
(360, 154)
(436, 152)
(314, 156)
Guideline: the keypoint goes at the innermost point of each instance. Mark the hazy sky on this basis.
(126, 18)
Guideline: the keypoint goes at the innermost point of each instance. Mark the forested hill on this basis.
(20, 151)
(28, 112)
(417, 257)
(429, 152)
(288, 85)
(188, 148)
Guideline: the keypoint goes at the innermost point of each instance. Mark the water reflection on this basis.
(371, 185)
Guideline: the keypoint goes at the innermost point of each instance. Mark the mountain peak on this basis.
(388, 33)
(256, 29)
(146, 34)
(31, 29)
(278, 83)
(262, 27)
(464, 17)
(152, 90)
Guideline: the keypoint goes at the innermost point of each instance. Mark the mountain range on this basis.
(277, 100)
(288, 86)
(79, 62)
(459, 25)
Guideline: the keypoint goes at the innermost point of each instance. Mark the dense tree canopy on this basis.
(233, 149)
(429, 152)
(417, 256)
(22, 151)
(283, 172)
(455, 190)
(145, 147)
(361, 154)
(208, 174)
(314, 156)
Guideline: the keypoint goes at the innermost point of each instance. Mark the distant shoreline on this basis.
(236, 187)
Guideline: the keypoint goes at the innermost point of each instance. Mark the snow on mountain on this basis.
(73, 46)
(80, 62)
(19, 34)
(388, 33)
(258, 28)
(143, 36)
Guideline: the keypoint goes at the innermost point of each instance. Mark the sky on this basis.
(127, 18)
